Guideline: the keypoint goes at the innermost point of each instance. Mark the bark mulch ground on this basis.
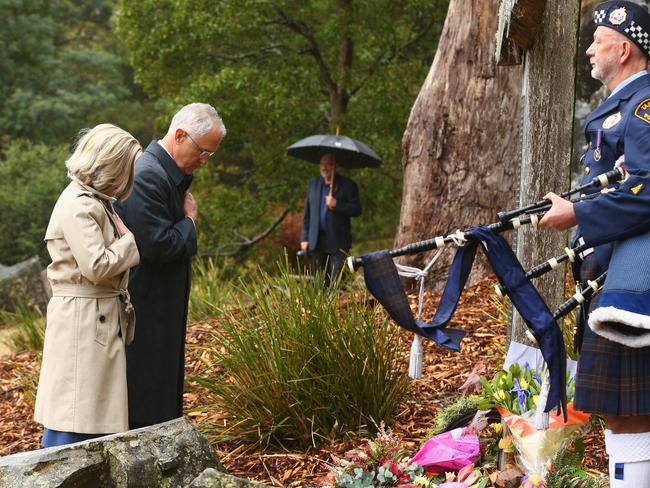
(443, 373)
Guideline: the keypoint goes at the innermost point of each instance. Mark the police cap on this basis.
(628, 18)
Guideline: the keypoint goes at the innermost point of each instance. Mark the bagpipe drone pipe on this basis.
(383, 282)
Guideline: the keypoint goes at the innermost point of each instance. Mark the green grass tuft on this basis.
(212, 281)
(299, 362)
(29, 325)
(463, 406)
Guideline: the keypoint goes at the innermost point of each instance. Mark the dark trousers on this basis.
(331, 263)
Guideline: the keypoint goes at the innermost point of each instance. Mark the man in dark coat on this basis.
(326, 231)
(613, 378)
(162, 215)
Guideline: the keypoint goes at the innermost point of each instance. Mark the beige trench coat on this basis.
(82, 387)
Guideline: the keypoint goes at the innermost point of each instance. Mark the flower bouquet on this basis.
(516, 394)
(381, 461)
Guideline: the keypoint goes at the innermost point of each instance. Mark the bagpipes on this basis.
(383, 282)
(507, 220)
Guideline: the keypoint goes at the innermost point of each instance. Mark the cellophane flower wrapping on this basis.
(449, 451)
(515, 394)
(536, 449)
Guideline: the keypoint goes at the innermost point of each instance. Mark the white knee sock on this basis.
(629, 459)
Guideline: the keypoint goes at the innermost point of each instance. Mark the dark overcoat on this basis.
(337, 221)
(159, 287)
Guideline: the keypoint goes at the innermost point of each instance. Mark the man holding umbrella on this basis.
(332, 199)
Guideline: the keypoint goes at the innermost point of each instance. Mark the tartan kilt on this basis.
(612, 379)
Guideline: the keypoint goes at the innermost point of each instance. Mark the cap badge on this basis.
(612, 120)
(618, 16)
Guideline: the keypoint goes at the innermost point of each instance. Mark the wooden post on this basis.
(519, 21)
(548, 106)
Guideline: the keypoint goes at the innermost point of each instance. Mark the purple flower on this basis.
(521, 394)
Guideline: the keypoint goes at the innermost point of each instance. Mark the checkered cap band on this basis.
(638, 34)
(628, 18)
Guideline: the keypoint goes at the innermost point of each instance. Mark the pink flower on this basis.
(393, 468)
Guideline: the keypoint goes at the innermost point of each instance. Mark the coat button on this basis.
(587, 170)
(102, 319)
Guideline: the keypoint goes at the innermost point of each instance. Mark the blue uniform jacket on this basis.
(624, 124)
(621, 219)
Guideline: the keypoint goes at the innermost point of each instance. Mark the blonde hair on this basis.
(104, 158)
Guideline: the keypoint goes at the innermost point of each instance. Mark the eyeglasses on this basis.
(204, 153)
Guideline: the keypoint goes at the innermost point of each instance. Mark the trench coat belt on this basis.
(86, 291)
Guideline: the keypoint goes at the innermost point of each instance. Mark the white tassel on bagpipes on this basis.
(415, 360)
(416, 357)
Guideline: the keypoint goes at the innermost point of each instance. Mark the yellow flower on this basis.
(506, 444)
(421, 481)
(502, 394)
(535, 398)
(497, 428)
(523, 383)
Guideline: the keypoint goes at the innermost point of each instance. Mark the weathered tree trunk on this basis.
(549, 88)
(460, 145)
(339, 92)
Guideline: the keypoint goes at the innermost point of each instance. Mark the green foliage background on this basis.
(30, 181)
(270, 67)
(63, 69)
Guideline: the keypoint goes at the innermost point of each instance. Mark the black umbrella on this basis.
(348, 152)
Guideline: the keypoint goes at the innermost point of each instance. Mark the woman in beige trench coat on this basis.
(82, 388)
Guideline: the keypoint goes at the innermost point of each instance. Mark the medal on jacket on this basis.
(597, 153)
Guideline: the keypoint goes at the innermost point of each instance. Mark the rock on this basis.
(24, 284)
(211, 478)
(171, 454)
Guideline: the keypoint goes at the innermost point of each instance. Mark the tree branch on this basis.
(259, 53)
(246, 242)
(301, 29)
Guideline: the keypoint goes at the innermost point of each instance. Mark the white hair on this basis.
(198, 119)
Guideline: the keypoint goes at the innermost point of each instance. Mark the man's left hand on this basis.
(561, 216)
(330, 201)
